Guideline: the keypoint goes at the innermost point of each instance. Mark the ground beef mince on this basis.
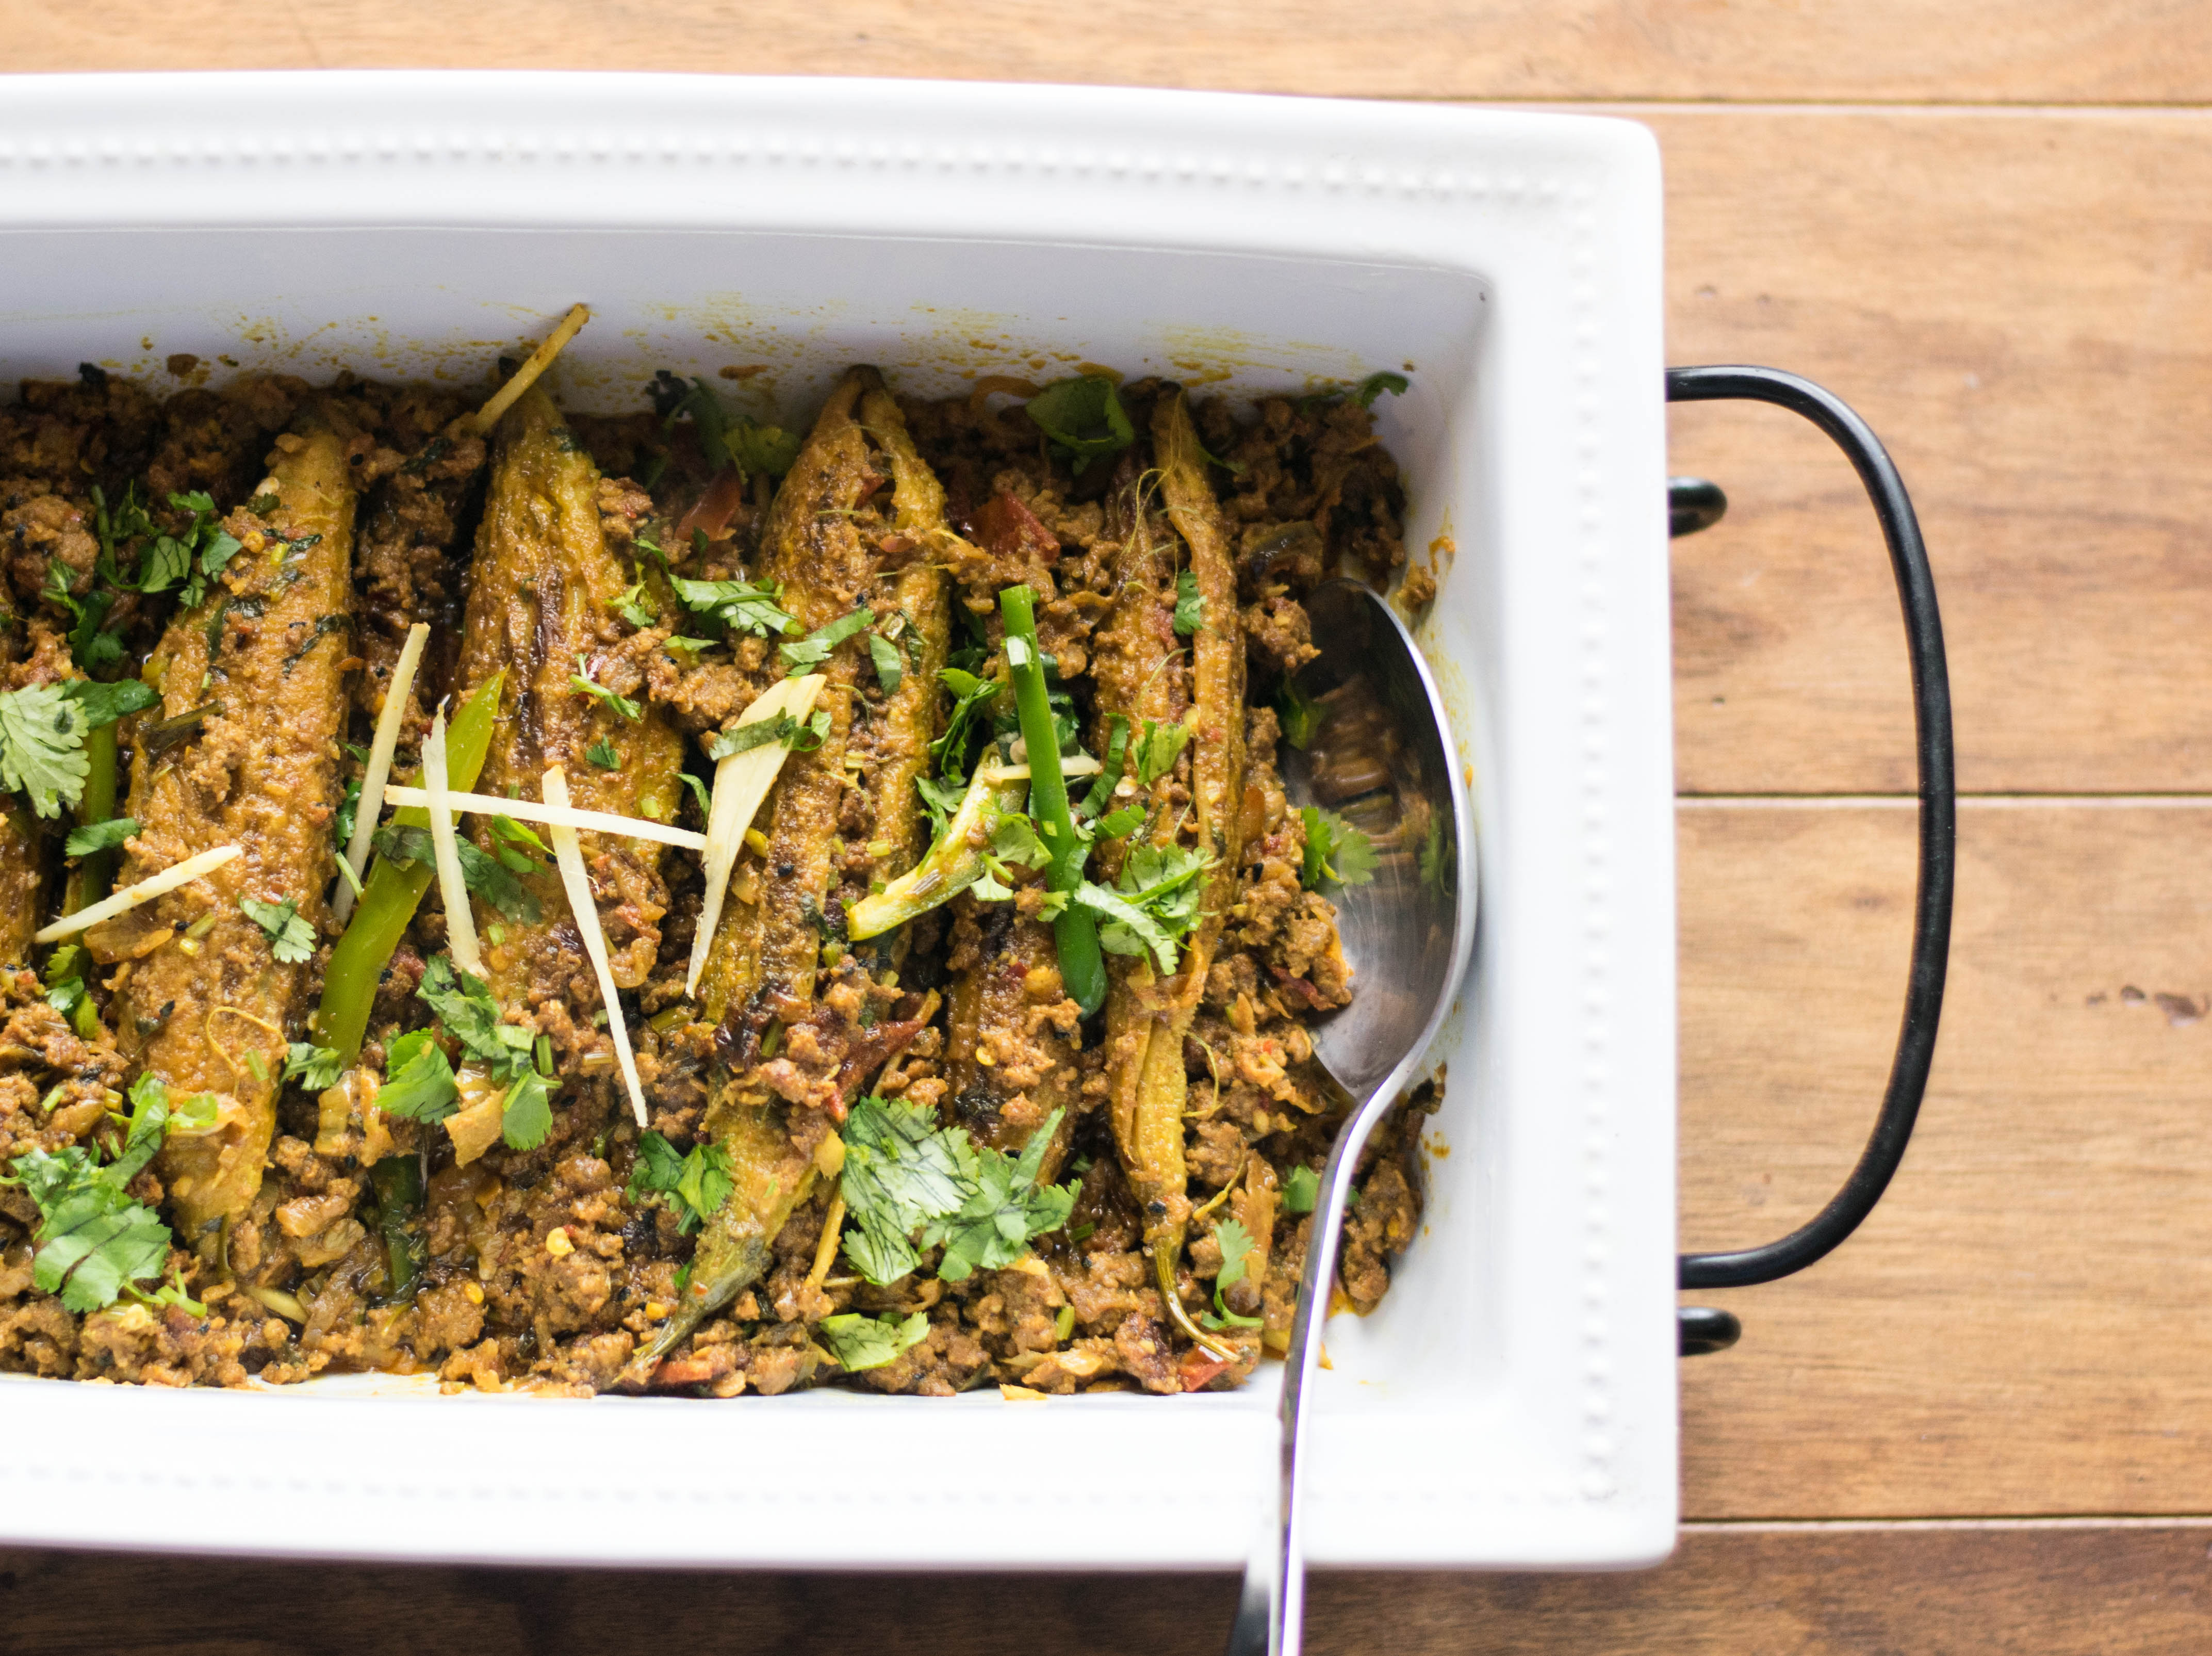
(913, 1155)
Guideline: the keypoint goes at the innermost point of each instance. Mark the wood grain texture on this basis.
(1978, 50)
(2106, 1591)
(2022, 306)
(2020, 1327)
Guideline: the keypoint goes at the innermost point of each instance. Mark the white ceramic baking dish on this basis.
(1513, 1403)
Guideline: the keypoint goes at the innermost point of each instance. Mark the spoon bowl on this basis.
(1371, 749)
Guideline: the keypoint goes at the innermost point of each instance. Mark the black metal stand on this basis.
(1693, 505)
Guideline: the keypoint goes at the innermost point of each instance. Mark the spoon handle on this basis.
(1271, 1609)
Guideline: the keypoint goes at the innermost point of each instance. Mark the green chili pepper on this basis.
(1082, 967)
(398, 1183)
(389, 895)
(94, 873)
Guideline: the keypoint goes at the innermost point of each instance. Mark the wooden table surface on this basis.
(1986, 1424)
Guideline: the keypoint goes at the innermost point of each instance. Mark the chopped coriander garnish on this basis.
(1300, 718)
(1337, 854)
(602, 753)
(859, 1341)
(1376, 384)
(697, 1185)
(889, 669)
(526, 1116)
(489, 877)
(972, 699)
(1152, 906)
(1117, 760)
(418, 1078)
(904, 1174)
(100, 836)
(636, 607)
(93, 1242)
(582, 682)
(291, 938)
(1301, 1190)
(755, 449)
(1156, 749)
(739, 605)
(1190, 603)
(1236, 1244)
(507, 1052)
(1083, 417)
(800, 735)
(314, 1067)
(812, 650)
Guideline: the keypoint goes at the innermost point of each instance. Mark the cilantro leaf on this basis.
(761, 449)
(1190, 603)
(814, 649)
(1116, 824)
(93, 1240)
(859, 1341)
(65, 978)
(509, 837)
(659, 1166)
(1301, 1190)
(1153, 904)
(314, 1067)
(291, 938)
(464, 1005)
(1301, 718)
(1235, 1243)
(1004, 1209)
(1337, 854)
(1014, 839)
(603, 754)
(348, 814)
(889, 670)
(89, 647)
(100, 836)
(1083, 417)
(1158, 748)
(900, 1172)
(698, 1185)
(418, 1078)
(582, 682)
(972, 696)
(799, 736)
(161, 561)
(1116, 761)
(1376, 384)
(635, 607)
(526, 1116)
(104, 704)
(492, 878)
(42, 747)
(941, 799)
(755, 449)
(739, 605)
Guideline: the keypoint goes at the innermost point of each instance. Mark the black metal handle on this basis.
(1697, 507)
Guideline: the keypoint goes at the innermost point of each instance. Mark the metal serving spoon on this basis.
(1380, 757)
